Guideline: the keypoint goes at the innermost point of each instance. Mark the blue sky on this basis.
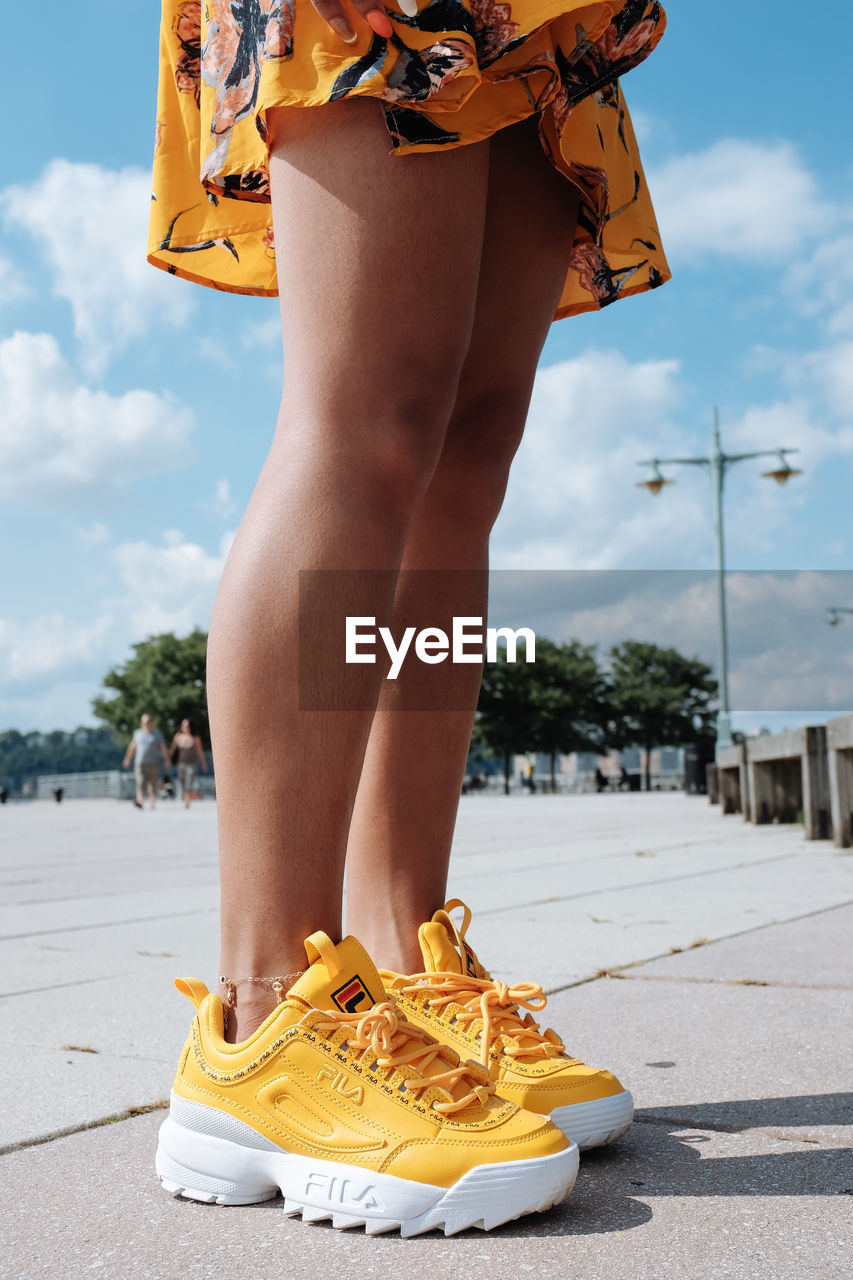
(135, 410)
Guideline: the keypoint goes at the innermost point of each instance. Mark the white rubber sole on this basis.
(596, 1123)
(204, 1154)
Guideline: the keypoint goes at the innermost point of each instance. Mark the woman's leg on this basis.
(405, 811)
(378, 258)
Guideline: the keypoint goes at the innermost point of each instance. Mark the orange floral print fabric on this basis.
(455, 73)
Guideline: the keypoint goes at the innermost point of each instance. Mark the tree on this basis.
(166, 677)
(659, 698)
(25, 756)
(571, 701)
(507, 709)
(556, 704)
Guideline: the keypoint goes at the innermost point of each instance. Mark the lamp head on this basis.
(656, 481)
(783, 472)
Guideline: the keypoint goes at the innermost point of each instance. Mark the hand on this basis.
(335, 13)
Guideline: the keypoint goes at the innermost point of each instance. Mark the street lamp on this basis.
(835, 614)
(717, 464)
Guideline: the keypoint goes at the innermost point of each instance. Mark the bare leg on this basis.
(378, 258)
(405, 812)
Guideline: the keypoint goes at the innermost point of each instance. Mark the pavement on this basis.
(709, 963)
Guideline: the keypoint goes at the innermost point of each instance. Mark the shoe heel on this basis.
(196, 1166)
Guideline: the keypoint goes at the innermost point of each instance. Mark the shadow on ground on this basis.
(668, 1154)
(671, 1153)
(806, 1110)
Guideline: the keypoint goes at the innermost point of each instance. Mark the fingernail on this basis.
(379, 20)
(344, 30)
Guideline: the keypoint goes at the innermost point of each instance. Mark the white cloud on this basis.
(572, 498)
(222, 502)
(265, 332)
(169, 587)
(791, 423)
(738, 199)
(90, 223)
(60, 437)
(783, 656)
(52, 664)
(13, 283)
(93, 535)
(49, 643)
(822, 284)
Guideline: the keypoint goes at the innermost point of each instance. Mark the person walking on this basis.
(187, 754)
(148, 750)
(426, 186)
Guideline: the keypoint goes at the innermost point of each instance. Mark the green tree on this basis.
(25, 756)
(659, 698)
(556, 704)
(571, 701)
(507, 709)
(166, 677)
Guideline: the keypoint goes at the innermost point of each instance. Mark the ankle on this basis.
(248, 1001)
(392, 943)
(249, 1011)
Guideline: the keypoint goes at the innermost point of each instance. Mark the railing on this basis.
(573, 783)
(103, 784)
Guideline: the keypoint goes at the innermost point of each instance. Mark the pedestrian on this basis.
(188, 754)
(426, 186)
(148, 750)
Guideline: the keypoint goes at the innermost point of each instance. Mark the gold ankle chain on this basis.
(279, 986)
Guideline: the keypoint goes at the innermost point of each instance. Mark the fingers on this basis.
(334, 12)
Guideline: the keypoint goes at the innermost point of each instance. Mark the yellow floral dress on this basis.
(454, 73)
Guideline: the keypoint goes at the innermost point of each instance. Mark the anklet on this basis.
(279, 985)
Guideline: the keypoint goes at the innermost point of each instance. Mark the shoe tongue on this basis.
(443, 944)
(340, 977)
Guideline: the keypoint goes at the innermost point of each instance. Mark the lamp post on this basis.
(835, 614)
(717, 464)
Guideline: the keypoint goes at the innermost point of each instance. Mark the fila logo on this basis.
(355, 1093)
(343, 1191)
(470, 962)
(351, 994)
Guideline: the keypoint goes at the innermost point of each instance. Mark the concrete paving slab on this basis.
(815, 951)
(69, 981)
(664, 1202)
(152, 950)
(762, 1058)
(41, 919)
(742, 1157)
(63, 1084)
(621, 926)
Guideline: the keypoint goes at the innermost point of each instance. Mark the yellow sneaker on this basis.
(353, 1113)
(457, 1001)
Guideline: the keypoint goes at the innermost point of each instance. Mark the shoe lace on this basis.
(498, 1006)
(394, 1043)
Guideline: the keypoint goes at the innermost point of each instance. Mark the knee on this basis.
(481, 442)
(382, 453)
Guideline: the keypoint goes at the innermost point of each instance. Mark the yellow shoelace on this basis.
(394, 1045)
(498, 1005)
